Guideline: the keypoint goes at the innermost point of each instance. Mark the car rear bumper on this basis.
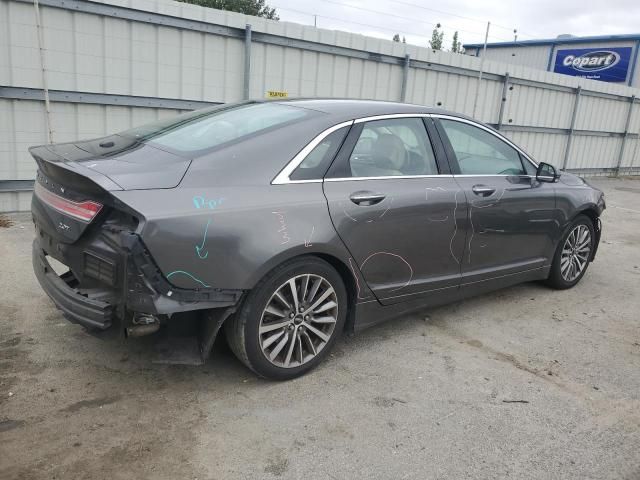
(76, 306)
(118, 283)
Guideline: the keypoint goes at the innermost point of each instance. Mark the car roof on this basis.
(345, 109)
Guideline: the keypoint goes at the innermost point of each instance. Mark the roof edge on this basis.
(558, 41)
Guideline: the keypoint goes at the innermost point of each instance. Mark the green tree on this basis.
(257, 8)
(404, 40)
(396, 37)
(456, 45)
(437, 37)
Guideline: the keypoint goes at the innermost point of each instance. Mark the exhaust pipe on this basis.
(143, 324)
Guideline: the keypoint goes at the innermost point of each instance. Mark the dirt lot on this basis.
(523, 383)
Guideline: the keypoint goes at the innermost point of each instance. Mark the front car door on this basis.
(511, 225)
(397, 209)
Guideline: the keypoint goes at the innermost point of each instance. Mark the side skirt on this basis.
(372, 313)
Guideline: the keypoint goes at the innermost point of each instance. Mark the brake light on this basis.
(83, 211)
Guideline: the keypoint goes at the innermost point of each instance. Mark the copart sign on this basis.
(606, 64)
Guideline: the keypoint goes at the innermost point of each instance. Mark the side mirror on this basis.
(546, 173)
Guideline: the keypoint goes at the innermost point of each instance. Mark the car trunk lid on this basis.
(129, 163)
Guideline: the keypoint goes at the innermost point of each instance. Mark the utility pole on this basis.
(515, 35)
(484, 52)
(43, 68)
(315, 20)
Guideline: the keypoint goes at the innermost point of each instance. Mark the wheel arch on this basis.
(349, 283)
(592, 214)
(329, 256)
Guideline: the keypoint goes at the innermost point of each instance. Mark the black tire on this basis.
(242, 330)
(556, 279)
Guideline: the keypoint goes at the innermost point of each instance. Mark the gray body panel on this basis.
(394, 242)
(224, 225)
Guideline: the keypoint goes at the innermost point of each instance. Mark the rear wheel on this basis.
(290, 320)
(573, 254)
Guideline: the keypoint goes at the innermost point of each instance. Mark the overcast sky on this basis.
(415, 19)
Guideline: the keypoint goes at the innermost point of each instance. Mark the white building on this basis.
(609, 58)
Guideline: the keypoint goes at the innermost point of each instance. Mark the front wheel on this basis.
(573, 254)
(290, 320)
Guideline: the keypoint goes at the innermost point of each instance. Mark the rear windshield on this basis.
(209, 128)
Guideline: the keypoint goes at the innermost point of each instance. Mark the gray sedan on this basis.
(286, 223)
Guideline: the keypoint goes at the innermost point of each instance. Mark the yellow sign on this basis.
(276, 94)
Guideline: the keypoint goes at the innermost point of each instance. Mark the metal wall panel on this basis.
(602, 114)
(591, 152)
(542, 147)
(630, 154)
(533, 57)
(538, 107)
(22, 124)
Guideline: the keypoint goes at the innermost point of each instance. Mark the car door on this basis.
(397, 208)
(511, 224)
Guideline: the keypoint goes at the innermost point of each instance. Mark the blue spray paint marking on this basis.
(200, 248)
(201, 202)
(188, 275)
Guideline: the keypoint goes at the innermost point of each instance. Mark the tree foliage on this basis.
(396, 37)
(437, 38)
(257, 8)
(456, 45)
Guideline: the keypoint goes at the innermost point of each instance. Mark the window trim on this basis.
(282, 178)
(387, 177)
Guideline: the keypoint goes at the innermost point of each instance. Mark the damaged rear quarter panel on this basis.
(231, 236)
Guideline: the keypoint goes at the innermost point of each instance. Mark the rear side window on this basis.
(316, 163)
(479, 152)
(206, 129)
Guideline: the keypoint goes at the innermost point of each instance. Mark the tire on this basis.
(562, 276)
(256, 333)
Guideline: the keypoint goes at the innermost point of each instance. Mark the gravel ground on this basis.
(522, 383)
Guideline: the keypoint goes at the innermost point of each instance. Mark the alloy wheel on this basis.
(575, 253)
(298, 320)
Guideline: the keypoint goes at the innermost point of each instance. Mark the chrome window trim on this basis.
(391, 116)
(492, 175)
(283, 177)
(387, 177)
(489, 130)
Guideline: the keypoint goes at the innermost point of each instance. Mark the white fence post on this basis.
(572, 127)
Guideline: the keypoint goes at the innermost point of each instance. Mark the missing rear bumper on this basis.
(78, 307)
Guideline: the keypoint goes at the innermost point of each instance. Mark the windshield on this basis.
(209, 128)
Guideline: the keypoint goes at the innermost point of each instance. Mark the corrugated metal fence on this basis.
(105, 66)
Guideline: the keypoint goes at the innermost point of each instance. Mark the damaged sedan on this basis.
(286, 223)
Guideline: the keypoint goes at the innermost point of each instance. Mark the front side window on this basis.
(395, 147)
(479, 152)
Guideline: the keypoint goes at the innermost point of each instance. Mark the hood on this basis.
(571, 180)
(127, 162)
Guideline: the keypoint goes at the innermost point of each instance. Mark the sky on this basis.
(415, 19)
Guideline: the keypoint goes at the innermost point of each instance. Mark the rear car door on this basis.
(511, 223)
(397, 208)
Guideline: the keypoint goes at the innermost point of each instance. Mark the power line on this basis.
(387, 14)
(459, 16)
(379, 27)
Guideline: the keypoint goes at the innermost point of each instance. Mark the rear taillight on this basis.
(83, 211)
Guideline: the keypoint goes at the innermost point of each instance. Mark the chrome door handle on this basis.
(483, 190)
(366, 199)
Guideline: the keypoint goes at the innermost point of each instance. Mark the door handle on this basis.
(483, 190)
(366, 199)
